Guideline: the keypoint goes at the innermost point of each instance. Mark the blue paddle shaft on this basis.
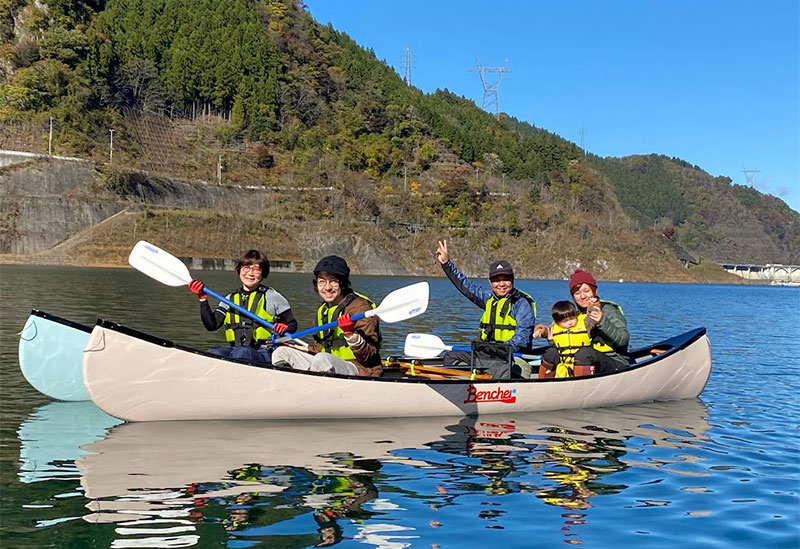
(242, 310)
(301, 333)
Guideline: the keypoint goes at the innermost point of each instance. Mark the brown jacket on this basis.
(365, 343)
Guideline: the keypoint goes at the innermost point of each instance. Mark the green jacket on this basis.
(612, 331)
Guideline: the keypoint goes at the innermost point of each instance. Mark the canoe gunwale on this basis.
(61, 320)
(676, 344)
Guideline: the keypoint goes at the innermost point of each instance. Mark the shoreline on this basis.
(26, 260)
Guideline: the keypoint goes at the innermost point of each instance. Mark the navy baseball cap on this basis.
(501, 268)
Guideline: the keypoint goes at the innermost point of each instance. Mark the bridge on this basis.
(771, 273)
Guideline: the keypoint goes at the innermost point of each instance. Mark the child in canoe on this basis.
(568, 333)
(605, 326)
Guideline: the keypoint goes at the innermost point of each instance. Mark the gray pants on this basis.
(320, 362)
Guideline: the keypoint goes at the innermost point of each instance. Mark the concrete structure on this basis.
(772, 273)
(9, 158)
(218, 264)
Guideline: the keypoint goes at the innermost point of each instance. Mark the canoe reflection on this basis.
(52, 435)
(179, 482)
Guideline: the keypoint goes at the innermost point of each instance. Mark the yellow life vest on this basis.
(568, 341)
(568, 503)
(332, 340)
(601, 345)
(497, 324)
(239, 329)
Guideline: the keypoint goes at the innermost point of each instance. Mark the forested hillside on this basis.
(256, 92)
(709, 215)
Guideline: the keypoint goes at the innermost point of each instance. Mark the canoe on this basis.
(139, 377)
(51, 355)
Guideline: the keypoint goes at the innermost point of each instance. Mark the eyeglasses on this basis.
(255, 269)
(332, 282)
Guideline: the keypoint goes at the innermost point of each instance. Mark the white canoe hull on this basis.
(139, 378)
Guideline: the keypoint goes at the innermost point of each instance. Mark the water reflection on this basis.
(380, 482)
(52, 437)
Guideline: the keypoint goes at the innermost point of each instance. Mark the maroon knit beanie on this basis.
(581, 277)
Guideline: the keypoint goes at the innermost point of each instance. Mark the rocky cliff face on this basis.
(44, 201)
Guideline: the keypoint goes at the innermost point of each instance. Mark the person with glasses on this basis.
(351, 348)
(248, 340)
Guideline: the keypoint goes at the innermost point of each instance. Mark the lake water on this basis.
(719, 471)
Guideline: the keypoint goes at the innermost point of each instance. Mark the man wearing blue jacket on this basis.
(508, 314)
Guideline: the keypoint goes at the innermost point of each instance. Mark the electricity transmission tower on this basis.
(490, 101)
(409, 60)
(749, 175)
(583, 140)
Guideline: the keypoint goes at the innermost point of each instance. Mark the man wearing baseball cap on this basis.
(508, 313)
(607, 328)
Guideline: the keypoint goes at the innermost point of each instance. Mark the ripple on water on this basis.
(716, 472)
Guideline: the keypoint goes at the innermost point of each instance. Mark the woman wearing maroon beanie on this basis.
(609, 334)
(607, 329)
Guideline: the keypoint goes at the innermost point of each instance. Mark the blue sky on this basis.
(714, 82)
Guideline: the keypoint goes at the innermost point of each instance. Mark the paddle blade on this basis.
(399, 305)
(403, 303)
(424, 346)
(158, 264)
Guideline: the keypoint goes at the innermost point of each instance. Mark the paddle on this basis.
(169, 270)
(401, 304)
(421, 370)
(429, 346)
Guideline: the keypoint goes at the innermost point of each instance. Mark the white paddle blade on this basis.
(158, 264)
(424, 346)
(403, 303)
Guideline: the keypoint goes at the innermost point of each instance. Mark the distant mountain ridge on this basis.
(711, 216)
(303, 105)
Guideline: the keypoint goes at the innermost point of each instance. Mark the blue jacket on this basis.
(479, 295)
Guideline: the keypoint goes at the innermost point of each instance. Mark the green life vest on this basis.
(239, 329)
(598, 343)
(568, 341)
(332, 340)
(497, 324)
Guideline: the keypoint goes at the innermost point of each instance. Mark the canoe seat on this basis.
(659, 349)
(648, 353)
